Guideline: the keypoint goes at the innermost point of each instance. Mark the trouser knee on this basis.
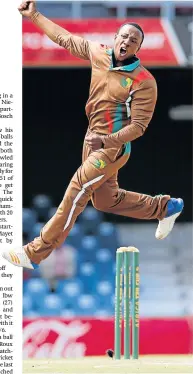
(73, 203)
(102, 206)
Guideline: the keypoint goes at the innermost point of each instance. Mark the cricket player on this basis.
(120, 106)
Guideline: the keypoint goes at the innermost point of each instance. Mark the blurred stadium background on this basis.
(68, 304)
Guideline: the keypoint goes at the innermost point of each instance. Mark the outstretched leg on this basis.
(110, 198)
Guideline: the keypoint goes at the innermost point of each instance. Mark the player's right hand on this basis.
(27, 8)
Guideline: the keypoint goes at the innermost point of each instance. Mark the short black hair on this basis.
(135, 25)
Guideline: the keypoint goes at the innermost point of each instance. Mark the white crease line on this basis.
(144, 364)
(171, 363)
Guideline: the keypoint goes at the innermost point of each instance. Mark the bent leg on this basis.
(111, 199)
(86, 180)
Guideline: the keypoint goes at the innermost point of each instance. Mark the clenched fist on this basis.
(27, 8)
(94, 141)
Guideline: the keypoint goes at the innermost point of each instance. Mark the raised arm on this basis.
(76, 45)
(142, 108)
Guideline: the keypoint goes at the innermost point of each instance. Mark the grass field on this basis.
(105, 365)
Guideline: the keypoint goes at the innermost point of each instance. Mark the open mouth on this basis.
(123, 51)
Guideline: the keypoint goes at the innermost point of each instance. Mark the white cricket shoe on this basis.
(18, 257)
(165, 226)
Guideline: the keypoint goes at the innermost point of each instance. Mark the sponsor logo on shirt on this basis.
(100, 164)
(126, 82)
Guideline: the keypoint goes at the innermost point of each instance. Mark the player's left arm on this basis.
(142, 108)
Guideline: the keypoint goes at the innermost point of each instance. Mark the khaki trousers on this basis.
(96, 179)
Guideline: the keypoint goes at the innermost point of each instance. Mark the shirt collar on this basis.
(131, 64)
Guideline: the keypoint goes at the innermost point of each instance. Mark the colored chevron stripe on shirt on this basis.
(115, 125)
(109, 120)
(142, 76)
(118, 119)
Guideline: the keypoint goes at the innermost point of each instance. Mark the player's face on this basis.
(127, 42)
